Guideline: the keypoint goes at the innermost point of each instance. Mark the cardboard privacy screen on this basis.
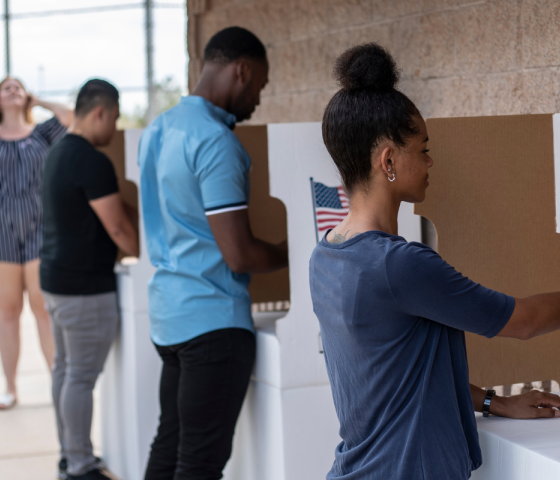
(492, 202)
(266, 214)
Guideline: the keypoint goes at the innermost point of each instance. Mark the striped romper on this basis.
(21, 168)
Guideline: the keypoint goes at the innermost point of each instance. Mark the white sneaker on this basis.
(7, 401)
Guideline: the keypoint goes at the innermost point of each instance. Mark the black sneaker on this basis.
(92, 475)
(63, 467)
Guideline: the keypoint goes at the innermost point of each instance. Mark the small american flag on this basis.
(330, 206)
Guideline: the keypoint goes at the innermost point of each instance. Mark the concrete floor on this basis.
(28, 442)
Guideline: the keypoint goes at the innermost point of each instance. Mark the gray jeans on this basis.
(84, 328)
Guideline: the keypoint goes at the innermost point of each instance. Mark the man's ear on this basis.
(98, 112)
(243, 72)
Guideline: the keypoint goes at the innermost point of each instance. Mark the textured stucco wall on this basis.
(459, 57)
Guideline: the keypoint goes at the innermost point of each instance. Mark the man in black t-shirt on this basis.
(84, 224)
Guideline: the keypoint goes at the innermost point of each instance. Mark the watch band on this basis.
(487, 400)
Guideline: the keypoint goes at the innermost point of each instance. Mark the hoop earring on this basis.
(392, 179)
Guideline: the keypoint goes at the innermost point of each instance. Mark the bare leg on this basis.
(11, 304)
(37, 304)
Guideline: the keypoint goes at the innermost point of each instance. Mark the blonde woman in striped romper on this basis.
(23, 148)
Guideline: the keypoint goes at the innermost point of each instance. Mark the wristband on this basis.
(487, 400)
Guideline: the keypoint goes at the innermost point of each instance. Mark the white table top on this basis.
(518, 449)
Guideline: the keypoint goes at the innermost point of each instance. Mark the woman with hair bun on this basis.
(393, 314)
(23, 148)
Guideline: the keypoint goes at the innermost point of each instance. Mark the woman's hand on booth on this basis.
(533, 404)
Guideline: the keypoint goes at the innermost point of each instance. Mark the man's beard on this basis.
(243, 107)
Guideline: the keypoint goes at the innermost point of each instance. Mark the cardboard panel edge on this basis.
(556, 140)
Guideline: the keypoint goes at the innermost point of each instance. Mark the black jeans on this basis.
(203, 384)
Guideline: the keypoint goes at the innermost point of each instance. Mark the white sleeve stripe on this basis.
(226, 209)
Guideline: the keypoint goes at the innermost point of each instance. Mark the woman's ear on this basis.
(387, 164)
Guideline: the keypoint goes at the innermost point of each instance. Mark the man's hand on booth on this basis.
(533, 404)
(242, 252)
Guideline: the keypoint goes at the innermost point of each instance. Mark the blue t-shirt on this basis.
(392, 317)
(192, 165)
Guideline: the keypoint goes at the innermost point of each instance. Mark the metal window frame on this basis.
(147, 5)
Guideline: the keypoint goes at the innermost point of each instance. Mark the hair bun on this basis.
(366, 66)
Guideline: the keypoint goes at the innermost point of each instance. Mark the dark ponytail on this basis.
(366, 110)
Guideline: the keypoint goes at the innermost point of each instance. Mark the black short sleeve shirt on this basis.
(77, 256)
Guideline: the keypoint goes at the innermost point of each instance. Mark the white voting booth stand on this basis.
(288, 428)
(518, 449)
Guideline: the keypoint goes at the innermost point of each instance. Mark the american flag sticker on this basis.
(330, 206)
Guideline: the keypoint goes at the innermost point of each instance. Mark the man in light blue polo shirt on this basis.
(195, 192)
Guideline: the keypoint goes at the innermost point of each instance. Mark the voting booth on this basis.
(494, 199)
(492, 202)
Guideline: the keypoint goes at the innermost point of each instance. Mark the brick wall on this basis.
(459, 57)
